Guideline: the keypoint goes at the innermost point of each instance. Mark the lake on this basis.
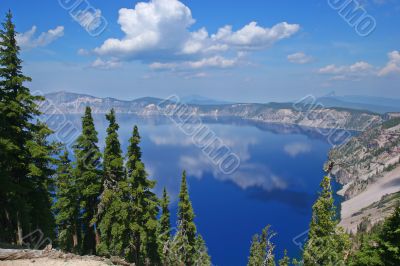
(276, 183)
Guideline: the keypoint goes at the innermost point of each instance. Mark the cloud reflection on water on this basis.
(167, 151)
(248, 175)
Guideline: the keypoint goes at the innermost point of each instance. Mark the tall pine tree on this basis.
(23, 165)
(41, 170)
(185, 241)
(327, 244)
(89, 179)
(111, 225)
(143, 222)
(66, 206)
(113, 162)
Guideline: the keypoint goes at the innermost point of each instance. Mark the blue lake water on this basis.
(276, 183)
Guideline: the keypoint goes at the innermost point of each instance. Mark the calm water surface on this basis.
(276, 183)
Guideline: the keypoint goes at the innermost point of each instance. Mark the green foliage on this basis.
(142, 207)
(164, 227)
(113, 161)
(389, 240)
(25, 154)
(89, 179)
(134, 153)
(186, 234)
(285, 261)
(187, 247)
(114, 224)
(66, 207)
(262, 249)
(201, 257)
(40, 172)
(381, 245)
(327, 244)
(391, 123)
(368, 254)
(110, 224)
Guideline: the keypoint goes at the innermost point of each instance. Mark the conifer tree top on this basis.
(186, 214)
(11, 77)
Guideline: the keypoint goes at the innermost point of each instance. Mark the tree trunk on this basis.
(19, 230)
(9, 225)
(75, 239)
(97, 237)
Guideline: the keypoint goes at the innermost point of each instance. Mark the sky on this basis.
(244, 51)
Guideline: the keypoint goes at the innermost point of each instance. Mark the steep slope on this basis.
(369, 168)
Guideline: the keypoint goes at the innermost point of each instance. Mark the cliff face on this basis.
(369, 168)
(286, 113)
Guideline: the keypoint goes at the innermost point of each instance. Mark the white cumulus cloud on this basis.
(156, 25)
(393, 66)
(252, 36)
(348, 72)
(158, 32)
(28, 39)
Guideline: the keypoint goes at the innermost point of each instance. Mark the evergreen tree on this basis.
(164, 227)
(186, 234)
(144, 207)
(262, 249)
(20, 168)
(327, 244)
(134, 154)
(367, 254)
(110, 203)
(255, 258)
(389, 240)
(67, 206)
(113, 162)
(381, 245)
(89, 179)
(285, 261)
(201, 257)
(40, 170)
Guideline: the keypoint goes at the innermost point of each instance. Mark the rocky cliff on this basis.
(368, 167)
(285, 113)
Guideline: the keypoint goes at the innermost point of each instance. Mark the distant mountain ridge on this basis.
(284, 113)
(200, 100)
(375, 104)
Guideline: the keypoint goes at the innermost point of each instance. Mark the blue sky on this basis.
(250, 51)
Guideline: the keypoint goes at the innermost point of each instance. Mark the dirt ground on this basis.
(52, 262)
